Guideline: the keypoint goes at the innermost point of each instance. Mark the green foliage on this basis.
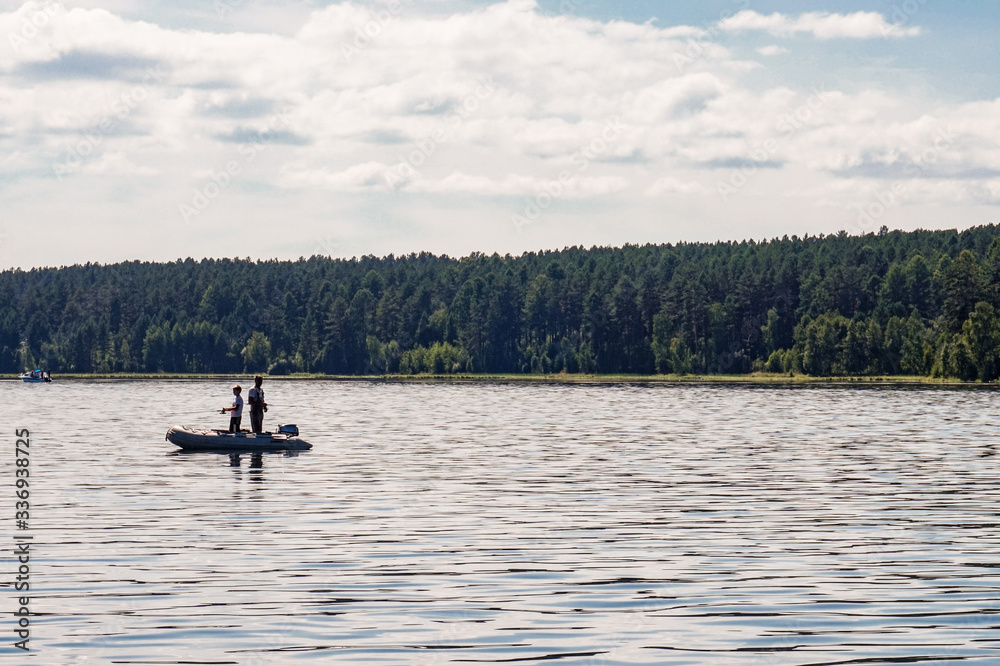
(257, 353)
(981, 334)
(156, 350)
(922, 302)
(681, 358)
(27, 361)
(822, 343)
(958, 361)
(775, 362)
(916, 353)
(962, 288)
(282, 366)
(771, 331)
(441, 358)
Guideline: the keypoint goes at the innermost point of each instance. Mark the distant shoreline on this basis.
(557, 379)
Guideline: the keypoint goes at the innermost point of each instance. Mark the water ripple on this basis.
(516, 524)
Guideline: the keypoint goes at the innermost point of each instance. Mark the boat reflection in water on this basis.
(251, 461)
(236, 457)
(256, 460)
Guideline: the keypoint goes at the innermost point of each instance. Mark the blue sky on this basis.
(155, 130)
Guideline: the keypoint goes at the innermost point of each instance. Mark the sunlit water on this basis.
(483, 523)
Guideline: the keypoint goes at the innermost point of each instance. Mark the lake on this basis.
(512, 523)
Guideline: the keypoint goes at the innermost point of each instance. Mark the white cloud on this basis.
(772, 50)
(367, 176)
(514, 185)
(822, 25)
(116, 164)
(672, 185)
(460, 183)
(484, 104)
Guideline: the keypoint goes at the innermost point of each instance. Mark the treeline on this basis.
(915, 303)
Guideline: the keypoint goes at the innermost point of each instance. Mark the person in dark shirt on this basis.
(257, 405)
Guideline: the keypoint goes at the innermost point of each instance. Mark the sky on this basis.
(149, 130)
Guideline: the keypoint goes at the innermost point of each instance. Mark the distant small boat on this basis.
(194, 439)
(36, 377)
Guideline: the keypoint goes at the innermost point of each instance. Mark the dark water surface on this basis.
(489, 523)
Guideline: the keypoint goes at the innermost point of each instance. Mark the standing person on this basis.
(237, 409)
(257, 405)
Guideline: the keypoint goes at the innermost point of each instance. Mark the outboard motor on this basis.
(291, 430)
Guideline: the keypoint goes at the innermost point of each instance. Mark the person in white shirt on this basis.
(257, 405)
(237, 409)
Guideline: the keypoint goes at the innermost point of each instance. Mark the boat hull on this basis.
(190, 439)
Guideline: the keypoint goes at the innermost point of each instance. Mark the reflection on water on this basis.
(508, 523)
(256, 460)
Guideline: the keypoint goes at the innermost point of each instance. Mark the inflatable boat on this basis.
(193, 439)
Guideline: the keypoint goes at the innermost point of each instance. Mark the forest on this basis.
(923, 303)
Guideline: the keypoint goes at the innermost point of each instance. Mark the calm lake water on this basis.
(485, 523)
